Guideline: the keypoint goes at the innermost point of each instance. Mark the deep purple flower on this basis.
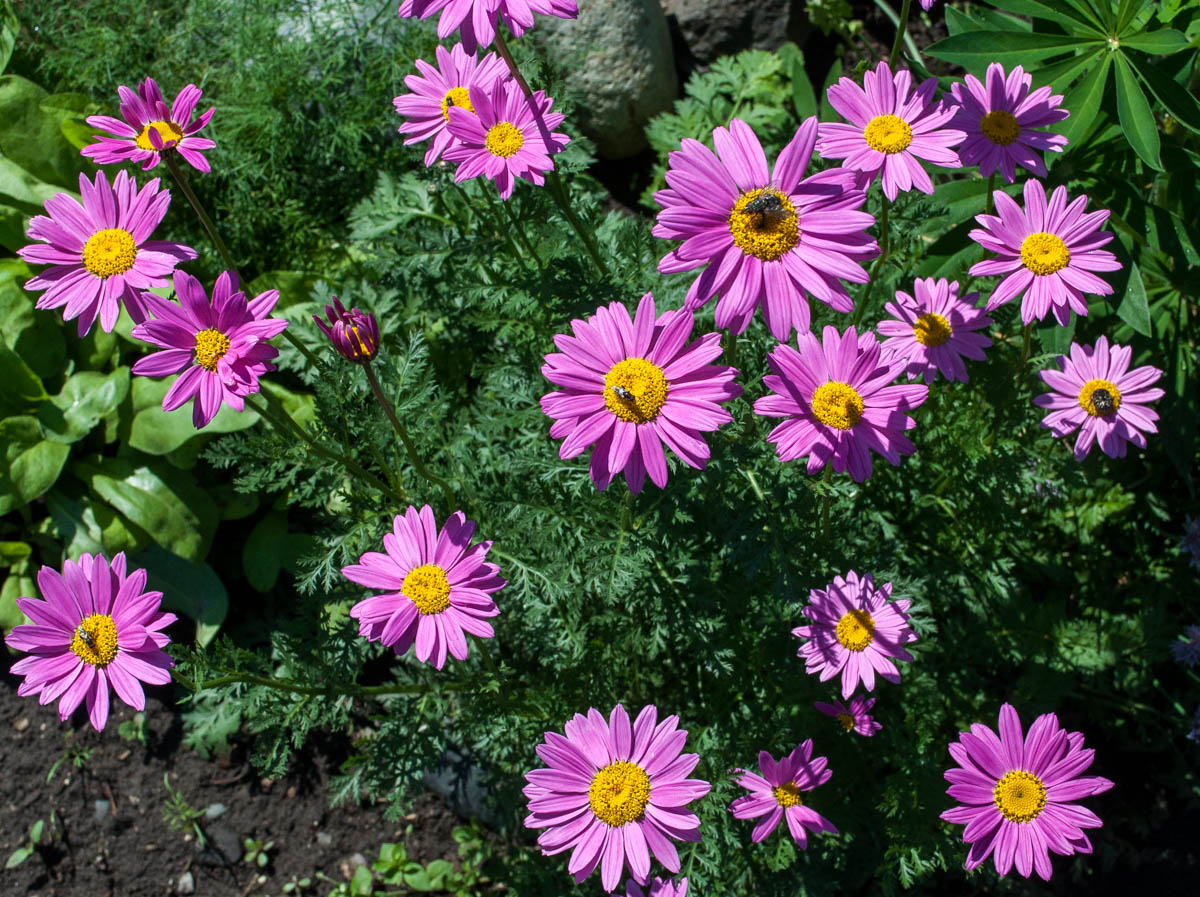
(934, 331)
(853, 718)
(150, 128)
(477, 19)
(777, 794)
(354, 333)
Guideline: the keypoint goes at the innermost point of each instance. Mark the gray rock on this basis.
(186, 884)
(713, 28)
(100, 809)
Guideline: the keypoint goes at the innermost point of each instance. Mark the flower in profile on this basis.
(220, 347)
(1191, 539)
(856, 717)
(150, 127)
(765, 238)
(505, 136)
(630, 386)
(435, 91)
(856, 630)
(615, 794)
(838, 404)
(660, 887)
(1097, 394)
(1187, 649)
(96, 627)
(1017, 793)
(439, 587)
(935, 330)
(891, 126)
(1001, 120)
(100, 252)
(354, 333)
(477, 18)
(1048, 252)
(776, 794)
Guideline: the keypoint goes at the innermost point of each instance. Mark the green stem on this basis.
(877, 265)
(339, 689)
(901, 30)
(731, 350)
(505, 232)
(990, 206)
(826, 500)
(522, 238)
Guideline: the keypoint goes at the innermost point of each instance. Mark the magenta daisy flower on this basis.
(1048, 252)
(615, 794)
(1017, 793)
(150, 127)
(1098, 395)
(838, 404)
(1187, 648)
(776, 794)
(221, 347)
(631, 386)
(935, 330)
(1000, 121)
(660, 887)
(856, 717)
(438, 90)
(477, 18)
(354, 334)
(439, 587)
(892, 126)
(100, 251)
(96, 627)
(856, 630)
(768, 238)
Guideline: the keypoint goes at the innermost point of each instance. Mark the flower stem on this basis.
(990, 206)
(884, 248)
(901, 30)
(522, 237)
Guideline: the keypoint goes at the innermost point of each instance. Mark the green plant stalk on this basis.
(290, 685)
(884, 247)
(522, 237)
(505, 232)
(901, 31)
(990, 205)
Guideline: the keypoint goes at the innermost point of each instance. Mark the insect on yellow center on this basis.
(1044, 253)
(1020, 796)
(504, 139)
(456, 96)
(931, 329)
(619, 793)
(1100, 398)
(428, 588)
(888, 134)
(837, 405)
(95, 640)
(635, 390)
(1000, 127)
(846, 720)
(856, 630)
(170, 133)
(766, 235)
(787, 795)
(211, 346)
(108, 252)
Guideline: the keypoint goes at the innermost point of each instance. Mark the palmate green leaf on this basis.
(191, 589)
(1084, 102)
(975, 50)
(1137, 119)
(1184, 107)
(1055, 12)
(1157, 43)
(86, 398)
(1134, 309)
(1060, 75)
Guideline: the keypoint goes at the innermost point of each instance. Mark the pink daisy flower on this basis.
(439, 587)
(96, 627)
(615, 794)
(768, 237)
(1000, 121)
(1017, 793)
(151, 127)
(838, 404)
(631, 386)
(660, 887)
(505, 136)
(1098, 395)
(1048, 252)
(221, 347)
(935, 330)
(776, 794)
(100, 251)
(892, 126)
(856, 630)
(438, 90)
(477, 18)
(856, 717)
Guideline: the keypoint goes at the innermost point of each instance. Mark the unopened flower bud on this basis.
(354, 333)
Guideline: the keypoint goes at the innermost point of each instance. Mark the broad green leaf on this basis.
(1125, 13)
(1157, 43)
(86, 398)
(20, 188)
(1183, 107)
(266, 551)
(90, 526)
(835, 72)
(1056, 340)
(1060, 75)
(188, 588)
(9, 26)
(1137, 120)
(958, 22)
(31, 464)
(14, 552)
(1134, 309)
(157, 432)
(1084, 101)
(1053, 12)
(22, 389)
(804, 97)
(18, 584)
(36, 336)
(32, 138)
(975, 50)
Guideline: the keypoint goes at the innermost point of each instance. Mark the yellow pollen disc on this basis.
(644, 386)
(1020, 796)
(856, 630)
(1106, 407)
(888, 134)
(788, 795)
(95, 640)
(427, 587)
(456, 96)
(504, 139)
(846, 720)
(766, 236)
(109, 252)
(837, 405)
(1000, 127)
(619, 793)
(931, 329)
(1044, 253)
(211, 346)
(170, 133)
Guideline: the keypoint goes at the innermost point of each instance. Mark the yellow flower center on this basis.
(788, 795)
(170, 133)
(766, 234)
(846, 720)
(95, 640)
(619, 793)
(1020, 796)
(635, 390)
(1100, 398)
(428, 588)
(109, 252)
(1044, 253)
(211, 346)
(504, 139)
(888, 134)
(457, 96)
(931, 329)
(1000, 127)
(856, 630)
(837, 405)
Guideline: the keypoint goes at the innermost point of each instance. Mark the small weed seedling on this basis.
(257, 852)
(179, 815)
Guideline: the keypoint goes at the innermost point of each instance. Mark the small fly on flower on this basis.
(767, 204)
(623, 393)
(85, 637)
(1104, 402)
